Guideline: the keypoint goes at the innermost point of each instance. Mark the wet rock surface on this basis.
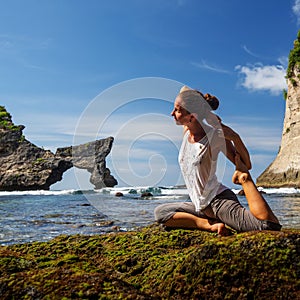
(151, 263)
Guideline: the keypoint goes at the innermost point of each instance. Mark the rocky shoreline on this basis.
(154, 264)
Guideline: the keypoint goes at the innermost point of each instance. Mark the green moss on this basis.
(285, 94)
(154, 264)
(5, 120)
(4, 115)
(293, 81)
(294, 58)
(22, 139)
(39, 161)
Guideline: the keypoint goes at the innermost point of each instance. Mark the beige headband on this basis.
(184, 88)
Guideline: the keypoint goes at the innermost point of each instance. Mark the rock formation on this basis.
(24, 166)
(284, 171)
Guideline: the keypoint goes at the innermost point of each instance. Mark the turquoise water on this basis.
(40, 216)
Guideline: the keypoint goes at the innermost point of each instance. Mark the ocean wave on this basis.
(181, 191)
(137, 191)
(38, 193)
(274, 190)
(280, 190)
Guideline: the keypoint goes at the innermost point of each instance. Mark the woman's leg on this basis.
(186, 220)
(257, 204)
(184, 215)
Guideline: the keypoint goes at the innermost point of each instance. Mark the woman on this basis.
(213, 205)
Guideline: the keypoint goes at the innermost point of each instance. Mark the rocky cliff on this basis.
(24, 166)
(284, 171)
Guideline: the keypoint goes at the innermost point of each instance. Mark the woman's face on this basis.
(181, 116)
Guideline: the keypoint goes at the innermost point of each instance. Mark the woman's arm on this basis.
(234, 138)
(230, 151)
(234, 143)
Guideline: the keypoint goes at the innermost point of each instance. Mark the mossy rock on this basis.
(154, 264)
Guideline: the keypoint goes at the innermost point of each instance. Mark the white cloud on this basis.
(211, 67)
(296, 10)
(249, 51)
(284, 61)
(263, 78)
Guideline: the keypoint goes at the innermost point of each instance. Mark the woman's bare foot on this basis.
(221, 229)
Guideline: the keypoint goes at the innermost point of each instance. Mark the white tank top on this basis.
(199, 168)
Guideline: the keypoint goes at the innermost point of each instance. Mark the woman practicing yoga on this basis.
(213, 206)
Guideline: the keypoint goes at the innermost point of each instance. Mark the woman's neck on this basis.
(197, 131)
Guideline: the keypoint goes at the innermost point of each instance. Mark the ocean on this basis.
(42, 215)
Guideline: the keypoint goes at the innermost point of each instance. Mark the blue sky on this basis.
(64, 63)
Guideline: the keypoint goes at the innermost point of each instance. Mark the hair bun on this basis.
(212, 101)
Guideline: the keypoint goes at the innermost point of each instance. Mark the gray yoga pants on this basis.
(225, 208)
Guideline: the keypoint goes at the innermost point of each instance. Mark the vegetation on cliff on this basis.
(154, 264)
(294, 58)
(5, 120)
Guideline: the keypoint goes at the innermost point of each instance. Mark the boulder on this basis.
(119, 194)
